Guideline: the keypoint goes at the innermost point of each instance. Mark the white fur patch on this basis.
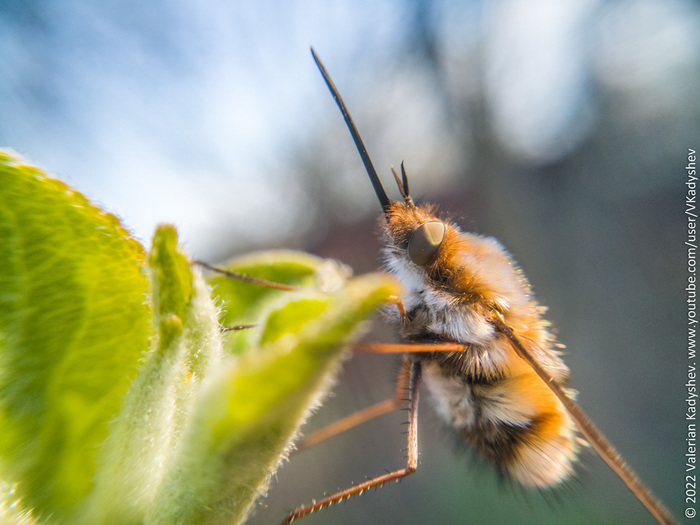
(544, 464)
(446, 319)
(452, 396)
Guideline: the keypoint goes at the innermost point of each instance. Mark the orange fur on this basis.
(488, 392)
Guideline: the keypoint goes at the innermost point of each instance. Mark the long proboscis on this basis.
(366, 160)
(593, 435)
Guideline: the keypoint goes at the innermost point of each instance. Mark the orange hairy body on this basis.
(487, 392)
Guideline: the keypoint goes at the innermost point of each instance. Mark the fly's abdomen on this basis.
(513, 421)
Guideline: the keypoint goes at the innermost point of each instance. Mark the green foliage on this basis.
(120, 399)
(73, 325)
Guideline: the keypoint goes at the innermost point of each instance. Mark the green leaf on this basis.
(243, 303)
(254, 404)
(143, 447)
(73, 325)
(108, 420)
(219, 423)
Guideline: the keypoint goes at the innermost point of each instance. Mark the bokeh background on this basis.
(562, 128)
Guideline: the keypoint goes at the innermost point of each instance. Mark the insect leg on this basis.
(413, 372)
(593, 435)
(246, 278)
(361, 416)
(399, 306)
(406, 348)
(236, 328)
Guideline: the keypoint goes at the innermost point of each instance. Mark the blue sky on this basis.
(189, 111)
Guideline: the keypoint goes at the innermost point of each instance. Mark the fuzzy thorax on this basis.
(452, 295)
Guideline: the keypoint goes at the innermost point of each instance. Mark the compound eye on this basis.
(425, 242)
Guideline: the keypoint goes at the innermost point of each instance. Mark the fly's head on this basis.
(439, 266)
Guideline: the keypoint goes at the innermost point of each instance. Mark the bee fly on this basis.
(476, 338)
